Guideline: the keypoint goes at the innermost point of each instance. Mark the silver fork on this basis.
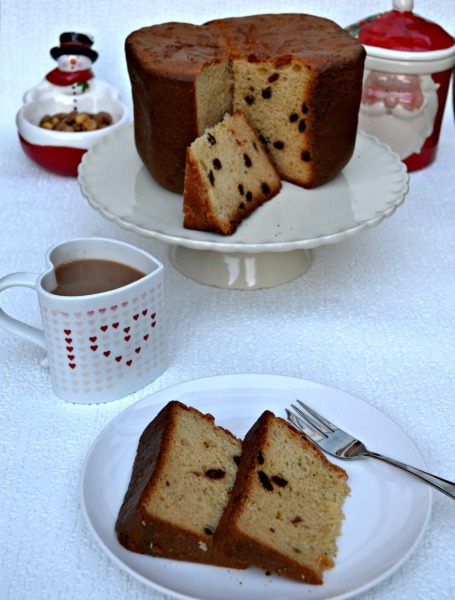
(337, 442)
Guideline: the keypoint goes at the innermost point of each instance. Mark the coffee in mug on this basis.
(92, 276)
(105, 337)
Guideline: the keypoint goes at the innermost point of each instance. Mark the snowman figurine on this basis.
(73, 75)
(74, 57)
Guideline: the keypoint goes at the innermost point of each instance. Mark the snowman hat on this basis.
(75, 43)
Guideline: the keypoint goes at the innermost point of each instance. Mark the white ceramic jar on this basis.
(407, 76)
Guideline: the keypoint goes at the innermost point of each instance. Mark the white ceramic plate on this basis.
(370, 188)
(386, 513)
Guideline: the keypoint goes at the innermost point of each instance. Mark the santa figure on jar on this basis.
(408, 68)
(399, 109)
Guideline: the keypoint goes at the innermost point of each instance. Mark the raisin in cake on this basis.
(285, 511)
(297, 77)
(228, 175)
(182, 476)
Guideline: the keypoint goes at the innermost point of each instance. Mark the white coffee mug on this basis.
(101, 346)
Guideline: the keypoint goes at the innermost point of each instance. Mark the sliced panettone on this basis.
(182, 477)
(285, 512)
(297, 77)
(228, 175)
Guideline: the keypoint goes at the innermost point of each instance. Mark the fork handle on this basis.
(443, 485)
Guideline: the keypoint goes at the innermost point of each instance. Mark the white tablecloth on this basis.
(374, 316)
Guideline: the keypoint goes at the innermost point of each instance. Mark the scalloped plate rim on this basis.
(90, 176)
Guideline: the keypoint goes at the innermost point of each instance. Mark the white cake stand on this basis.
(273, 245)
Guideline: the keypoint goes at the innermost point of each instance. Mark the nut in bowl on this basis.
(70, 110)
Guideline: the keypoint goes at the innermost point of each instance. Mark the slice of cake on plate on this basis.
(182, 477)
(228, 175)
(285, 511)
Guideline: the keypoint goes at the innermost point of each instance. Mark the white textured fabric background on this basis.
(373, 316)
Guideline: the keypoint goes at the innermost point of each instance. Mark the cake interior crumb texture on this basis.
(214, 94)
(285, 513)
(183, 473)
(228, 175)
(275, 100)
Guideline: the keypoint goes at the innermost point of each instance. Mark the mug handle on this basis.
(32, 334)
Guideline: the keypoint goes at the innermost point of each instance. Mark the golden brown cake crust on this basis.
(198, 213)
(280, 37)
(134, 527)
(164, 60)
(230, 536)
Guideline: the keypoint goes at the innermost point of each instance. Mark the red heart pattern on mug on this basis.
(88, 350)
(101, 341)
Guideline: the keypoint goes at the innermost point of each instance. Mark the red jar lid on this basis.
(401, 29)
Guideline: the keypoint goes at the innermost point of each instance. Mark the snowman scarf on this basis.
(63, 78)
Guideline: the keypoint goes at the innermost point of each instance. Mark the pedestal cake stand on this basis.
(274, 244)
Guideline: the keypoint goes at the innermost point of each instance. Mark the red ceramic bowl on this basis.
(60, 151)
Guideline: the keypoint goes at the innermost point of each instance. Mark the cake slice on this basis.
(182, 477)
(228, 174)
(285, 511)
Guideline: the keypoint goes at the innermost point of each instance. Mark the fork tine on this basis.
(317, 416)
(322, 430)
(313, 434)
(309, 420)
